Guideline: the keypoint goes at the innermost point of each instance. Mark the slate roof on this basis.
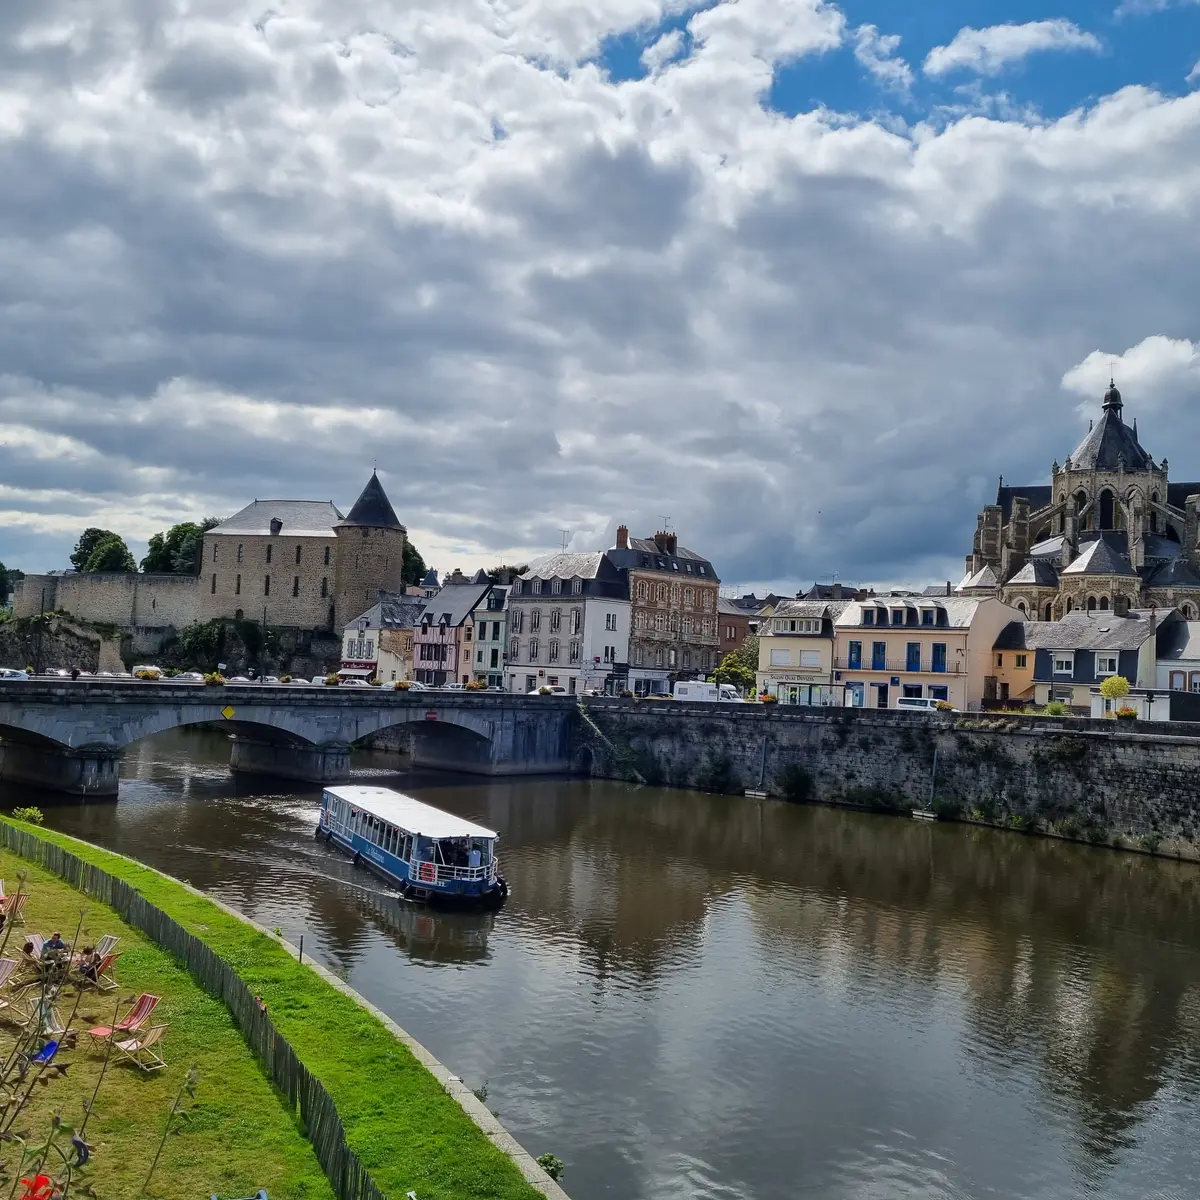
(730, 609)
(1050, 547)
(938, 589)
(985, 577)
(393, 610)
(644, 555)
(1011, 637)
(833, 591)
(1099, 558)
(811, 608)
(455, 602)
(1175, 573)
(1037, 494)
(431, 579)
(301, 518)
(960, 610)
(1038, 573)
(1157, 546)
(1110, 439)
(1177, 493)
(572, 565)
(373, 509)
(1092, 631)
(1179, 641)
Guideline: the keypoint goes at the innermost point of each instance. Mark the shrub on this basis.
(401, 685)
(285, 679)
(215, 678)
(29, 814)
(1147, 841)
(146, 674)
(332, 680)
(1056, 708)
(769, 699)
(1125, 713)
(475, 685)
(375, 682)
(626, 694)
(948, 810)
(544, 691)
(1114, 687)
(552, 1165)
(945, 706)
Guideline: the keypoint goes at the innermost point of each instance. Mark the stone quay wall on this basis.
(1109, 783)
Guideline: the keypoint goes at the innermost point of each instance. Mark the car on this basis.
(239, 679)
(147, 672)
(13, 673)
(554, 689)
(415, 686)
(188, 677)
(453, 687)
(268, 679)
(354, 683)
(59, 673)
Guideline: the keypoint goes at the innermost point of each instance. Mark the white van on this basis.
(711, 693)
(918, 703)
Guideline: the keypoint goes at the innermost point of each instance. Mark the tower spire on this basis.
(1112, 399)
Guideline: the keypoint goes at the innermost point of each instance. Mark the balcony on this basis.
(899, 666)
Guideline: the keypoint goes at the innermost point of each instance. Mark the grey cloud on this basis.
(200, 77)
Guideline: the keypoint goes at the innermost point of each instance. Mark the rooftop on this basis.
(408, 813)
(300, 518)
(1099, 558)
(1080, 630)
(373, 509)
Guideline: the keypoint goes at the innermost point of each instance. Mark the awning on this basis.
(352, 671)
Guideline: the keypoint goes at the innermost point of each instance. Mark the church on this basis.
(1109, 532)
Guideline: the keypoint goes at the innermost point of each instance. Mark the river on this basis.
(692, 996)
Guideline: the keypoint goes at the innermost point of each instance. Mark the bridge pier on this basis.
(77, 772)
(329, 763)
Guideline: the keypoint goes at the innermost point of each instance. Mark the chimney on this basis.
(837, 591)
(661, 538)
(622, 537)
(276, 525)
(947, 587)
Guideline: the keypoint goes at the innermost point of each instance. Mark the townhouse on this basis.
(795, 652)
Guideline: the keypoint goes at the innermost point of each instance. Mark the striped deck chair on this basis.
(13, 907)
(131, 1022)
(42, 1014)
(106, 943)
(105, 980)
(7, 967)
(142, 1048)
(38, 943)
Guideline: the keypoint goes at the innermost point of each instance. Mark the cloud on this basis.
(990, 50)
(250, 259)
(1194, 74)
(660, 52)
(876, 52)
(1141, 8)
(1157, 374)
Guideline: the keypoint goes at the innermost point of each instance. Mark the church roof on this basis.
(1038, 495)
(373, 509)
(1175, 573)
(985, 577)
(1037, 573)
(1051, 547)
(1177, 493)
(1099, 558)
(1110, 442)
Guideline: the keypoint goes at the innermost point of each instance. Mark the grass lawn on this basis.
(405, 1129)
(238, 1138)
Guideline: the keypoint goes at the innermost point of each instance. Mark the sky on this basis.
(800, 279)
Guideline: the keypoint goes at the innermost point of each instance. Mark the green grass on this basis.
(239, 1136)
(405, 1129)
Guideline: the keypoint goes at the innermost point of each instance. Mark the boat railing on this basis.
(419, 872)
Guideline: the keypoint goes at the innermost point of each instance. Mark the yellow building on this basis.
(1012, 666)
(795, 652)
(938, 648)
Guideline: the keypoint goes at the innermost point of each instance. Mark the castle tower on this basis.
(370, 554)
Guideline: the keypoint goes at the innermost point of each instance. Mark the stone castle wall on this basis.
(233, 579)
(1092, 780)
(112, 598)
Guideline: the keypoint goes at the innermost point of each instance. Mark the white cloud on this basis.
(990, 50)
(1158, 373)
(247, 260)
(660, 52)
(877, 53)
(1194, 74)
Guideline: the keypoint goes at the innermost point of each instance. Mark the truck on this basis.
(712, 693)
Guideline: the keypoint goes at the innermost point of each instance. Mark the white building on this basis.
(491, 632)
(568, 625)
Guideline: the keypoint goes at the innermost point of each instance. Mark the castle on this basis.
(1110, 532)
(297, 563)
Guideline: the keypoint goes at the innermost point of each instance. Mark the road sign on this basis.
(227, 712)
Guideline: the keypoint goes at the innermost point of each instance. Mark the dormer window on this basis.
(868, 616)
(577, 586)
(537, 587)
(556, 586)
(516, 587)
(897, 616)
(701, 570)
(927, 616)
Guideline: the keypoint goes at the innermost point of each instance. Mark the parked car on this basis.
(147, 672)
(354, 683)
(415, 686)
(13, 673)
(453, 687)
(188, 677)
(239, 679)
(268, 679)
(555, 689)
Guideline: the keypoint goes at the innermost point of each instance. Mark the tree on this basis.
(413, 570)
(1114, 687)
(733, 670)
(503, 571)
(88, 540)
(8, 579)
(110, 554)
(177, 552)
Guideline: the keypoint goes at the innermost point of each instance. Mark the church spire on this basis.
(1112, 399)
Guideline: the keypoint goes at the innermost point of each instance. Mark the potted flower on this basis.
(401, 685)
(214, 679)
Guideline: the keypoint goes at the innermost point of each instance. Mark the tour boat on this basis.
(430, 855)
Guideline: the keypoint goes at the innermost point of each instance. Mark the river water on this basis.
(714, 997)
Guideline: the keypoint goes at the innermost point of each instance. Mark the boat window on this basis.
(393, 834)
(406, 852)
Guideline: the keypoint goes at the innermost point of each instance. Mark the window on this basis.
(939, 691)
(671, 658)
(912, 656)
(1020, 661)
(324, 587)
(659, 657)
(535, 620)
(610, 622)
(554, 649)
(237, 586)
(854, 661)
(661, 593)
(689, 596)
(576, 586)
(295, 585)
(514, 649)
(897, 616)
(911, 691)
(266, 585)
(574, 652)
(517, 619)
(1178, 681)
(269, 549)
(556, 586)
(466, 633)
(660, 621)
(637, 656)
(533, 649)
(327, 556)
(1064, 662)
(516, 587)
(1106, 664)
(297, 553)
(781, 658)
(938, 665)
(641, 589)
(537, 587)
(879, 656)
(810, 658)
(999, 660)
(479, 657)
(701, 570)
(927, 616)
(213, 589)
(610, 654)
(555, 619)
(214, 551)
(868, 616)
(239, 552)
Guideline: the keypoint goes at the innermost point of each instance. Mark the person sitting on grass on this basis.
(55, 945)
(89, 963)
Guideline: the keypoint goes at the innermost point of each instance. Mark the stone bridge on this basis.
(67, 736)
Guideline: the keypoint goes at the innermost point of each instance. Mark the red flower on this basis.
(40, 1187)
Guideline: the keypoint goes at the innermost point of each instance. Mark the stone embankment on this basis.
(1132, 786)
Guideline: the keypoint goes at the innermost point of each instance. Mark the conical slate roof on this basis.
(1040, 574)
(1111, 440)
(373, 509)
(1099, 558)
(1173, 574)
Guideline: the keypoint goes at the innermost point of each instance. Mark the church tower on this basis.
(370, 554)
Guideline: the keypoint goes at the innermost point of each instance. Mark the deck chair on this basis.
(43, 1014)
(142, 1048)
(13, 907)
(7, 967)
(38, 943)
(131, 1022)
(106, 943)
(105, 980)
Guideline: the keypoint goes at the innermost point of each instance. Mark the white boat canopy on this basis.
(409, 814)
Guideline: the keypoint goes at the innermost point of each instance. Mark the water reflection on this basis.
(694, 996)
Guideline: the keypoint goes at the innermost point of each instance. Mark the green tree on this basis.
(177, 552)
(1114, 687)
(733, 670)
(8, 579)
(110, 554)
(88, 541)
(495, 574)
(413, 570)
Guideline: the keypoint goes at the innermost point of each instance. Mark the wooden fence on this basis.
(318, 1112)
